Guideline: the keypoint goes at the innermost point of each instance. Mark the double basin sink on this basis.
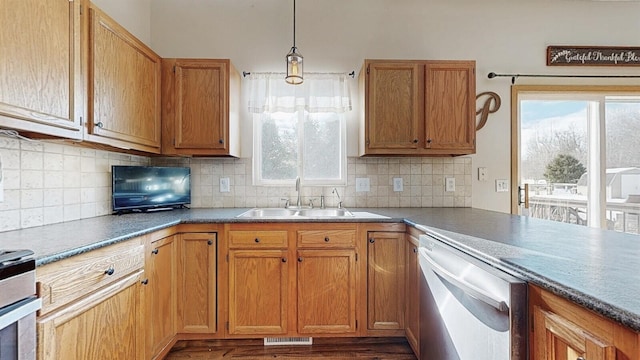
(295, 213)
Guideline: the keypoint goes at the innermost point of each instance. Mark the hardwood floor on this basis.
(322, 348)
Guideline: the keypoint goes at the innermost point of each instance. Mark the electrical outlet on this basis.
(450, 184)
(362, 184)
(502, 185)
(482, 174)
(224, 185)
(397, 184)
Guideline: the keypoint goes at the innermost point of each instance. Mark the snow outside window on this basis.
(299, 130)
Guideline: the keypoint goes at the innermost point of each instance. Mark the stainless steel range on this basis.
(18, 305)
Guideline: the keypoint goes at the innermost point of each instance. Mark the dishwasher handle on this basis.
(469, 289)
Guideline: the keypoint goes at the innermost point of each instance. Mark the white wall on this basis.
(503, 36)
(134, 15)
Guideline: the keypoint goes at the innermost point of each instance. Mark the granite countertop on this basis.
(594, 268)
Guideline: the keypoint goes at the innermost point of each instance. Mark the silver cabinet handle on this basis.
(469, 289)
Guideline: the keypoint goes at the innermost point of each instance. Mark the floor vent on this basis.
(269, 341)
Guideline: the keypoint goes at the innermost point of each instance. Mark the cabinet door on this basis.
(199, 106)
(161, 295)
(393, 107)
(556, 338)
(258, 292)
(41, 86)
(450, 106)
(326, 291)
(124, 87)
(385, 275)
(105, 325)
(196, 280)
(412, 294)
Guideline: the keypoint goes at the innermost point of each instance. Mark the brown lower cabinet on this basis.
(161, 294)
(258, 292)
(104, 325)
(135, 299)
(562, 330)
(412, 293)
(292, 280)
(385, 278)
(93, 305)
(196, 277)
(326, 291)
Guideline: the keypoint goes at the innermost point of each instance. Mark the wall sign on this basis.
(593, 56)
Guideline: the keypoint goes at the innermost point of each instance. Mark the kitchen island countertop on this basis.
(596, 269)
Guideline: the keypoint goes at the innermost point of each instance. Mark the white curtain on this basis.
(318, 93)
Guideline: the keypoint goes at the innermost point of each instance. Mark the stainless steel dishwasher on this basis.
(468, 310)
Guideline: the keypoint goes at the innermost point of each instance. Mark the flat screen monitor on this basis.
(142, 188)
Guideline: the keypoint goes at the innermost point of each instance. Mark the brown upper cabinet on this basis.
(200, 107)
(418, 107)
(41, 85)
(123, 87)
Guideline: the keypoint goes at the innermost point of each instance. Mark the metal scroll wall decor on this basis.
(491, 104)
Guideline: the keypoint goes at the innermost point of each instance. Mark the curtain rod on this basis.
(352, 74)
(515, 76)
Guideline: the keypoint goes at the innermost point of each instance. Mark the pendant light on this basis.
(294, 58)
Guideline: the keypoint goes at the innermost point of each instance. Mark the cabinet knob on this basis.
(428, 141)
(284, 260)
(257, 240)
(415, 250)
(110, 271)
(300, 259)
(144, 282)
(154, 251)
(221, 141)
(209, 242)
(415, 141)
(326, 239)
(100, 124)
(372, 240)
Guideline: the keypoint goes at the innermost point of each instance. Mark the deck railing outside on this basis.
(572, 208)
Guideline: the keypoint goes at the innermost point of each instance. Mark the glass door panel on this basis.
(554, 156)
(623, 163)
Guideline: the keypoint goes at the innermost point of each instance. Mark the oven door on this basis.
(18, 330)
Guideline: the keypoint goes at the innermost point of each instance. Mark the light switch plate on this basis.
(362, 184)
(502, 185)
(224, 185)
(450, 184)
(397, 185)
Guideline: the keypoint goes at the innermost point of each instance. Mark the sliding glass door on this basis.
(576, 155)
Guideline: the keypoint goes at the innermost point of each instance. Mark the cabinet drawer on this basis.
(64, 281)
(327, 238)
(258, 239)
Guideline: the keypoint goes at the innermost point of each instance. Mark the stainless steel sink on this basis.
(286, 213)
(268, 213)
(324, 213)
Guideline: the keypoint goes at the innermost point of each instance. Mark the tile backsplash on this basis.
(51, 182)
(423, 183)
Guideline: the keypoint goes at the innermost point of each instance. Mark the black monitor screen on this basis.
(148, 187)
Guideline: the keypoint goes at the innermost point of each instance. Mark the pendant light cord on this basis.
(294, 24)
